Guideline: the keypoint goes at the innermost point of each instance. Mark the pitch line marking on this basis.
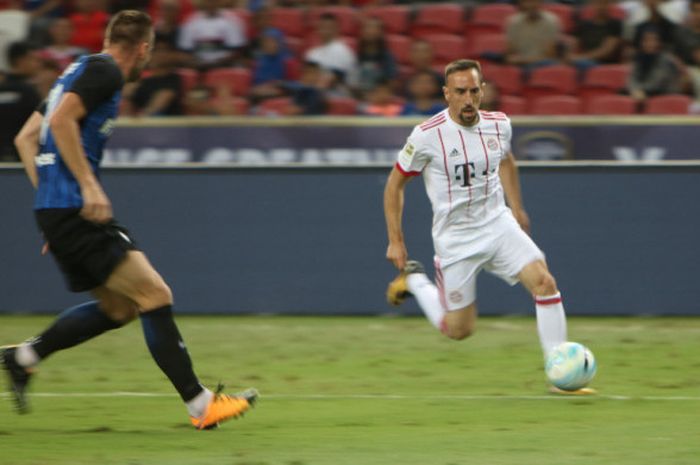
(370, 396)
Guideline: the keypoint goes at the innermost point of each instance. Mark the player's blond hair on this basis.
(463, 65)
(129, 28)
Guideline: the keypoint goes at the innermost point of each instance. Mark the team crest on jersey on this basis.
(492, 144)
(454, 153)
(455, 297)
(408, 149)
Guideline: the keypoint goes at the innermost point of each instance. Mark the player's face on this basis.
(463, 92)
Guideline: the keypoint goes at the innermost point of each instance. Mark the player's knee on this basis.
(459, 332)
(122, 311)
(547, 285)
(154, 294)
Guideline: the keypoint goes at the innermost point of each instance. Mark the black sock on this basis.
(169, 352)
(72, 327)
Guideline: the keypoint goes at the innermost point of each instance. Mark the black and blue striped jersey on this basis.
(97, 80)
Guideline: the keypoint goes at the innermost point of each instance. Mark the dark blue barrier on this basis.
(619, 239)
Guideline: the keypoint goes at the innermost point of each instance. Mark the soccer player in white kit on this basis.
(468, 167)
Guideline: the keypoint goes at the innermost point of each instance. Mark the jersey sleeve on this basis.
(506, 136)
(413, 157)
(97, 83)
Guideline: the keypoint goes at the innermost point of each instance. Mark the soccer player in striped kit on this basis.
(469, 171)
(61, 148)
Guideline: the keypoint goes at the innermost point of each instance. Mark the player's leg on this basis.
(551, 318)
(412, 280)
(136, 278)
(72, 327)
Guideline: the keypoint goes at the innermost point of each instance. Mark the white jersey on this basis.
(460, 169)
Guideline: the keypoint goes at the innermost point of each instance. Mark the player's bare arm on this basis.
(510, 181)
(27, 143)
(396, 252)
(65, 126)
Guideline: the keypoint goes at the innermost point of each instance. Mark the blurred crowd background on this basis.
(366, 57)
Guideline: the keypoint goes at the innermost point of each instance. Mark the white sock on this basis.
(26, 356)
(428, 297)
(198, 406)
(551, 321)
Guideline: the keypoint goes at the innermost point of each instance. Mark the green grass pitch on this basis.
(366, 391)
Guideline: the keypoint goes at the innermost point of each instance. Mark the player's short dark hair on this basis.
(129, 27)
(463, 65)
(16, 51)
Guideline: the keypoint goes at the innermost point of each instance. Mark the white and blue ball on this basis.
(570, 366)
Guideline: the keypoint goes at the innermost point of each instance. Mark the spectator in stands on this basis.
(118, 5)
(46, 76)
(333, 56)
(157, 94)
(308, 94)
(381, 101)
(89, 21)
(654, 71)
(422, 59)
(60, 50)
(641, 11)
(42, 13)
(422, 89)
(214, 37)
(664, 27)
(532, 36)
(18, 96)
(687, 42)
(273, 64)
(599, 39)
(167, 25)
(14, 27)
(375, 61)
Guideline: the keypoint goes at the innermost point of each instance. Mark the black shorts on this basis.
(86, 252)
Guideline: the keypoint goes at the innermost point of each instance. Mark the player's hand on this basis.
(397, 254)
(45, 248)
(522, 219)
(96, 206)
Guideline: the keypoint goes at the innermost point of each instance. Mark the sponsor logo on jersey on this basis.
(454, 153)
(44, 159)
(492, 144)
(107, 128)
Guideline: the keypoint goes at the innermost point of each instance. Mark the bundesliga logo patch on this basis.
(409, 149)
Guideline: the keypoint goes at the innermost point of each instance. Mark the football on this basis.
(570, 366)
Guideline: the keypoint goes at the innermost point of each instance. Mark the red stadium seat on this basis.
(237, 79)
(348, 20)
(296, 45)
(610, 105)
(291, 21)
(489, 19)
(565, 13)
(548, 80)
(489, 44)
(438, 18)
(274, 106)
(604, 79)
(513, 105)
(400, 47)
(189, 78)
(447, 47)
(396, 18)
(556, 105)
(668, 105)
(341, 106)
(240, 105)
(508, 79)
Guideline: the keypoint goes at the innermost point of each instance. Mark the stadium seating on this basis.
(616, 11)
(548, 80)
(565, 13)
(237, 79)
(447, 47)
(438, 18)
(604, 79)
(189, 78)
(400, 47)
(396, 18)
(274, 106)
(513, 105)
(610, 105)
(291, 21)
(556, 105)
(489, 45)
(508, 79)
(668, 105)
(348, 19)
(489, 19)
(341, 106)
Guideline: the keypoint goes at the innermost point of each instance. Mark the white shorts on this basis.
(501, 247)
